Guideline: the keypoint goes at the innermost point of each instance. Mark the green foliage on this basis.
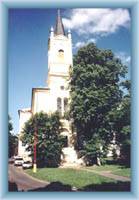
(114, 154)
(93, 149)
(12, 139)
(10, 126)
(49, 141)
(121, 119)
(95, 96)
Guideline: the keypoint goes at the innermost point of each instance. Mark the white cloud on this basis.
(97, 21)
(94, 40)
(126, 59)
(81, 44)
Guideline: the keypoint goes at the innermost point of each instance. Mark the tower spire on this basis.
(59, 28)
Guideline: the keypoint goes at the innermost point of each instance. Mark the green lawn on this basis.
(72, 177)
(123, 172)
(114, 169)
(82, 179)
(104, 167)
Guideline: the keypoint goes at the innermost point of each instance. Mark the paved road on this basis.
(22, 181)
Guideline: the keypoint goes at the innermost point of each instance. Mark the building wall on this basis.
(41, 101)
(58, 64)
(45, 99)
(24, 115)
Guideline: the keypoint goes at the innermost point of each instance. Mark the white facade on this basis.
(24, 115)
(55, 95)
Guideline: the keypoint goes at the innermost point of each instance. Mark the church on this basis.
(55, 96)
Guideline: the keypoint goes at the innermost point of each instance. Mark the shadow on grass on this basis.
(119, 186)
(58, 186)
(54, 186)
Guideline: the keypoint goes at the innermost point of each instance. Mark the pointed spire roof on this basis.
(59, 28)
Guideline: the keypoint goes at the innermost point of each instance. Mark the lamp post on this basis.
(35, 149)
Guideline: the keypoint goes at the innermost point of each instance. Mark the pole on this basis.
(35, 150)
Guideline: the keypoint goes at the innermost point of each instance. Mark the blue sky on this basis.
(28, 33)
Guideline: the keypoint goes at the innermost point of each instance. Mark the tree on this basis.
(121, 119)
(13, 140)
(49, 141)
(95, 92)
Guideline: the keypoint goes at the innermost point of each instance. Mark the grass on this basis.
(73, 177)
(104, 167)
(64, 179)
(114, 169)
(123, 172)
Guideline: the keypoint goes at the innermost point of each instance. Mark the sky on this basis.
(28, 33)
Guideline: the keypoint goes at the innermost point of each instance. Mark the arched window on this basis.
(62, 87)
(65, 104)
(59, 105)
(61, 53)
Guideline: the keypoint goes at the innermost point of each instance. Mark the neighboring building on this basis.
(55, 96)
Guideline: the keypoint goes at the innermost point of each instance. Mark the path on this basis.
(22, 180)
(108, 174)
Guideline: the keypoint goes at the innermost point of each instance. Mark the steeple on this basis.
(59, 28)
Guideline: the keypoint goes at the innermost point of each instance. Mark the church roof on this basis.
(24, 110)
(59, 28)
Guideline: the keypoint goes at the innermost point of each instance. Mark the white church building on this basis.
(55, 96)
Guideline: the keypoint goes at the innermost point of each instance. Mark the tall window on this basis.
(59, 105)
(65, 104)
(61, 54)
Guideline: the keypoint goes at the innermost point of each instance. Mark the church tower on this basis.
(59, 63)
(55, 96)
(59, 50)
